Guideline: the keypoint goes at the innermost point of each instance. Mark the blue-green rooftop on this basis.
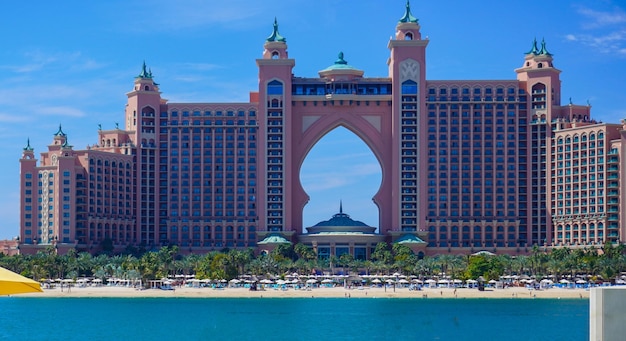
(410, 239)
(275, 36)
(340, 219)
(340, 64)
(408, 17)
(274, 239)
(539, 51)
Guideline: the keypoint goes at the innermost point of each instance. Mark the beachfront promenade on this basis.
(316, 292)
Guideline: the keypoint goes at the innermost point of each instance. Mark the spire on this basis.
(534, 50)
(340, 206)
(59, 132)
(275, 36)
(408, 17)
(28, 148)
(544, 51)
(144, 72)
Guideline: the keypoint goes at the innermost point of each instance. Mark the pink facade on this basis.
(469, 165)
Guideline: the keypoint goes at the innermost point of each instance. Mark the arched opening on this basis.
(340, 167)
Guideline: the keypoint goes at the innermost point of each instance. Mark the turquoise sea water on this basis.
(292, 319)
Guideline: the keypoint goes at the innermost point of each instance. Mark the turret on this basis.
(275, 46)
(408, 27)
(144, 101)
(541, 80)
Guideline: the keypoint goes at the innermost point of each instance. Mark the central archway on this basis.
(371, 124)
(340, 167)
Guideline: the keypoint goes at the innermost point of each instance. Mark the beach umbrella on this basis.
(12, 283)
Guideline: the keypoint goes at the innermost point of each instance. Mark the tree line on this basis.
(605, 263)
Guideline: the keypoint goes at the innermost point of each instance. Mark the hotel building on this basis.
(498, 165)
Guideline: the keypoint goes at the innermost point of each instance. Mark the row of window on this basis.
(217, 113)
(487, 90)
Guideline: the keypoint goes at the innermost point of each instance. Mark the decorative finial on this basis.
(144, 72)
(570, 101)
(275, 36)
(340, 206)
(60, 131)
(28, 147)
(534, 50)
(99, 126)
(544, 51)
(117, 125)
(340, 59)
(408, 17)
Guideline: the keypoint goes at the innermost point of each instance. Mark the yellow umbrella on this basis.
(12, 283)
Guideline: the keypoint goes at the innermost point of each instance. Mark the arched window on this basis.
(408, 36)
(409, 87)
(540, 65)
(146, 88)
(275, 88)
(275, 55)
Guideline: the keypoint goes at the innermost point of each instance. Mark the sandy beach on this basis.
(366, 292)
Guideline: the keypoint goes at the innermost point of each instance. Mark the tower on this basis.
(407, 69)
(144, 102)
(29, 190)
(541, 82)
(275, 77)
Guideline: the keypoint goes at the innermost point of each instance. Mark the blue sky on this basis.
(71, 63)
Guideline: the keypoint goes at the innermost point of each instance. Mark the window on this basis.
(275, 88)
(409, 87)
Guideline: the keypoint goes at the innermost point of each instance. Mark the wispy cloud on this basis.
(338, 175)
(612, 42)
(38, 60)
(63, 111)
(602, 18)
(8, 118)
(192, 14)
(199, 66)
(603, 30)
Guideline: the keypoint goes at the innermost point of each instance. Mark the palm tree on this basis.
(425, 267)
(84, 264)
(520, 264)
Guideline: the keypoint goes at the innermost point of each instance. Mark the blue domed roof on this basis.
(340, 219)
(341, 66)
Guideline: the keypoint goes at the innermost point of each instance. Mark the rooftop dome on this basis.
(340, 68)
(341, 223)
(340, 219)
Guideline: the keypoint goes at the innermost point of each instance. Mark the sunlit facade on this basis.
(498, 165)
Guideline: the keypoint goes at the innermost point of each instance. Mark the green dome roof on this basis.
(340, 219)
(274, 239)
(410, 239)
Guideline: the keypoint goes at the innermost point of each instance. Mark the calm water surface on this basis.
(292, 319)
